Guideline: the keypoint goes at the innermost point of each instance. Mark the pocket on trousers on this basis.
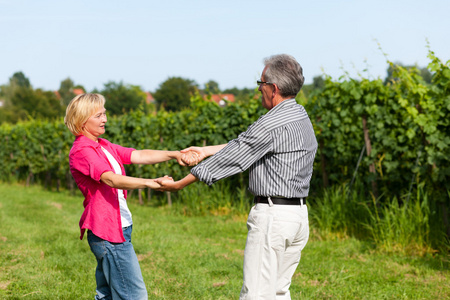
(255, 232)
(97, 245)
(283, 233)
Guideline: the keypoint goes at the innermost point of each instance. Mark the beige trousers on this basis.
(276, 236)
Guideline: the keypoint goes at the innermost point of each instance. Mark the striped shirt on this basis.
(279, 148)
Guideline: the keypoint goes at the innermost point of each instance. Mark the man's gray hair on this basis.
(286, 73)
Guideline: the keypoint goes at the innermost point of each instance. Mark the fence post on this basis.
(368, 151)
(169, 199)
(141, 202)
(356, 169)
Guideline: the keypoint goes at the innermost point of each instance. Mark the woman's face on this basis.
(95, 125)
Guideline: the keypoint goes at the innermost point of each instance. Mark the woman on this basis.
(97, 167)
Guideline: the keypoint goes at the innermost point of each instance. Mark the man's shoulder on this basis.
(287, 113)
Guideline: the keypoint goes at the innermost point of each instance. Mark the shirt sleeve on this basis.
(237, 156)
(89, 163)
(123, 153)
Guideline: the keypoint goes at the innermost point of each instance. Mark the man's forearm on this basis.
(211, 150)
(173, 186)
(189, 179)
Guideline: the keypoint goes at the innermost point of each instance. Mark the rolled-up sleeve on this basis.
(123, 153)
(237, 156)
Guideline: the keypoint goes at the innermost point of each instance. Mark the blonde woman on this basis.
(97, 167)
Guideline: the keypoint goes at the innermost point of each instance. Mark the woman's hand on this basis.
(166, 184)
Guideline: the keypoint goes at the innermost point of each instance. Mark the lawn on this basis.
(41, 256)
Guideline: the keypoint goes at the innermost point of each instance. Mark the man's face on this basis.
(266, 92)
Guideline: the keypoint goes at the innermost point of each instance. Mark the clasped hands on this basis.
(189, 157)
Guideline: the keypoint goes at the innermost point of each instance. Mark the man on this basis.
(279, 148)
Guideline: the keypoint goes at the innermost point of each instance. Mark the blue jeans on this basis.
(118, 273)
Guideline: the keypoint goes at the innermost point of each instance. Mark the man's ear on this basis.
(276, 90)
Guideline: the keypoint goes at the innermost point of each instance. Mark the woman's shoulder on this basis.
(83, 145)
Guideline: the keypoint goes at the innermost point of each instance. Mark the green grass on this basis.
(196, 257)
(414, 226)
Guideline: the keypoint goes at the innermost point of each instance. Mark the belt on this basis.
(280, 201)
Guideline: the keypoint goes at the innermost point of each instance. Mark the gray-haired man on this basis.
(279, 149)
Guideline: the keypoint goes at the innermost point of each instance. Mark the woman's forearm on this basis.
(127, 182)
(149, 157)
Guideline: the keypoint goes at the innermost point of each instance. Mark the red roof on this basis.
(218, 97)
(78, 91)
(149, 98)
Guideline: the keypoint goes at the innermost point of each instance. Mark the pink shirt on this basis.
(101, 204)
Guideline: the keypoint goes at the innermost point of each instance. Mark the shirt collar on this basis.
(83, 140)
(282, 105)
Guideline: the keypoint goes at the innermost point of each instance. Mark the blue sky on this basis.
(145, 42)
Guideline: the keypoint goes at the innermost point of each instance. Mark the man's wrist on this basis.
(174, 154)
(207, 151)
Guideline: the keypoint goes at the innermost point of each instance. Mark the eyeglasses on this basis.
(259, 82)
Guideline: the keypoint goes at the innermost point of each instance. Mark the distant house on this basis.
(149, 99)
(77, 91)
(221, 99)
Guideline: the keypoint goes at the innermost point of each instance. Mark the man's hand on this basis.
(193, 155)
(189, 158)
(180, 159)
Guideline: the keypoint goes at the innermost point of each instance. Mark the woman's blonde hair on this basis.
(80, 109)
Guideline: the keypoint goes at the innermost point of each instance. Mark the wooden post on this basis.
(48, 181)
(169, 199)
(149, 195)
(323, 162)
(444, 209)
(70, 183)
(368, 151)
(29, 178)
(323, 165)
(141, 202)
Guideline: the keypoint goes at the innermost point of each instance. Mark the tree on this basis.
(423, 72)
(242, 95)
(175, 93)
(21, 101)
(66, 91)
(10, 112)
(122, 98)
(19, 79)
(317, 84)
(28, 103)
(212, 87)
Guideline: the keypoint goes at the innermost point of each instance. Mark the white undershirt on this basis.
(125, 213)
